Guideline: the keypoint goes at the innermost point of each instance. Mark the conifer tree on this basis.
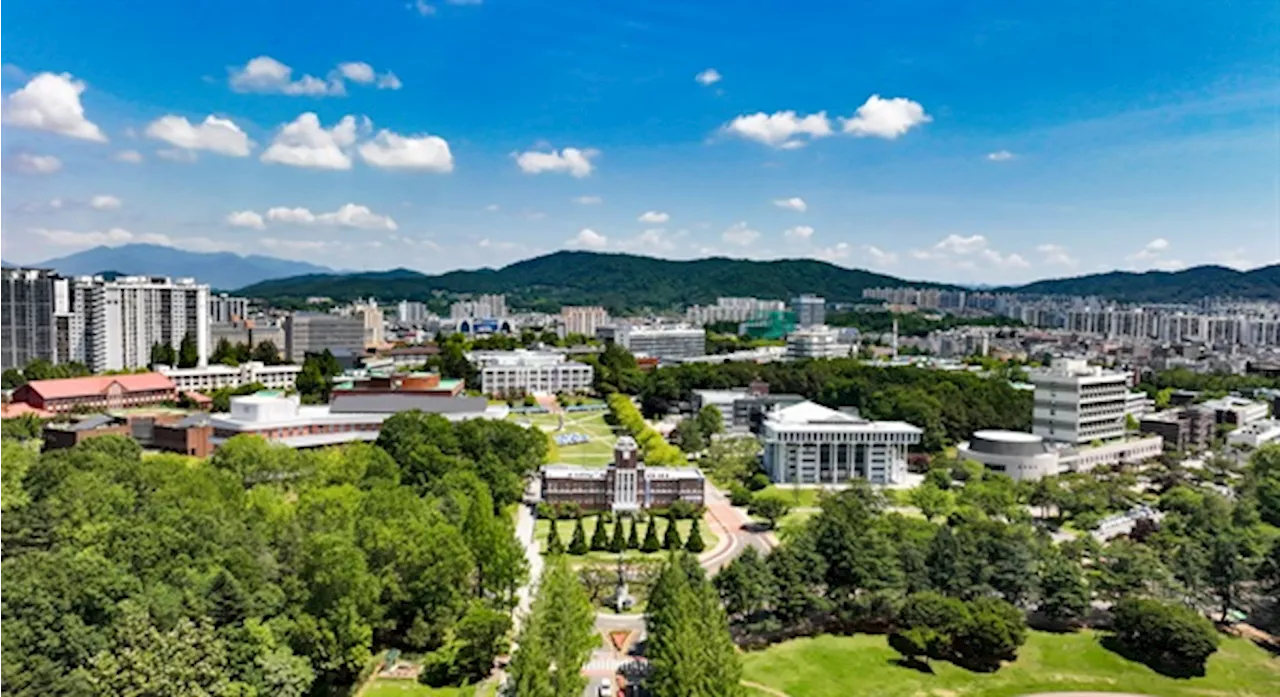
(578, 545)
(671, 538)
(618, 541)
(695, 545)
(599, 538)
(633, 538)
(554, 546)
(689, 641)
(651, 543)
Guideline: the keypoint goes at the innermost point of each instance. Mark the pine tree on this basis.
(671, 538)
(530, 669)
(599, 538)
(695, 545)
(689, 641)
(618, 542)
(554, 546)
(651, 543)
(578, 545)
(567, 620)
(633, 539)
(188, 352)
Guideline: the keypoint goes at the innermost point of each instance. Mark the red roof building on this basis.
(97, 392)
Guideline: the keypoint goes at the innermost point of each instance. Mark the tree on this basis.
(1064, 592)
(266, 352)
(1228, 568)
(746, 585)
(771, 508)
(690, 650)
(915, 644)
(161, 354)
(633, 538)
(567, 617)
(993, 633)
(224, 353)
(188, 352)
(1169, 637)
(689, 435)
(578, 544)
(1262, 478)
(695, 544)
(187, 660)
(618, 541)
(12, 378)
(480, 636)
(932, 501)
(599, 538)
(529, 673)
(671, 536)
(554, 546)
(651, 543)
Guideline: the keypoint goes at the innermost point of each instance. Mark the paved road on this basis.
(735, 525)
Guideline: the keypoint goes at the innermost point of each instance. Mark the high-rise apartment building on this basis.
(313, 332)
(664, 342)
(583, 319)
(224, 309)
(112, 325)
(412, 314)
(27, 307)
(371, 316)
(810, 310)
(482, 307)
(1077, 403)
(732, 310)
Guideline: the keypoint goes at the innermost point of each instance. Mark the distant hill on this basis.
(620, 282)
(1187, 285)
(222, 270)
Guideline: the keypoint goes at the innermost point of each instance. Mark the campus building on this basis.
(314, 332)
(1077, 403)
(808, 443)
(817, 341)
(810, 310)
(1189, 429)
(1236, 411)
(626, 485)
(663, 342)
(97, 393)
(522, 371)
(1022, 455)
(217, 377)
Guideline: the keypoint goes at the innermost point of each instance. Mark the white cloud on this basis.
(740, 234)
(216, 135)
(389, 81)
(965, 252)
(421, 152)
(879, 257)
(1239, 258)
(247, 219)
(839, 252)
(1000, 156)
(67, 238)
(1151, 250)
(104, 202)
(799, 232)
(423, 8)
(588, 200)
(781, 129)
(267, 75)
(305, 143)
(133, 157)
(649, 242)
(795, 203)
(589, 239)
(570, 161)
(350, 215)
(1056, 255)
(51, 102)
(710, 76)
(277, 244)
(654, 217)
(885, 118)
(493, 207)
(26, 163)
(357, 71)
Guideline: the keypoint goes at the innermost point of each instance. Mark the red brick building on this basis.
(627, 484)
(96, 393)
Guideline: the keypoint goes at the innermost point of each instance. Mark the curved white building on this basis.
(1019, 454)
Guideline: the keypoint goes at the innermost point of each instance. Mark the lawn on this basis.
(413, 688)
(798, 497)
(597, 451)
(589, 525)
(865, 665)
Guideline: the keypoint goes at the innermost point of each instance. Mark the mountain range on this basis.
(221, 270)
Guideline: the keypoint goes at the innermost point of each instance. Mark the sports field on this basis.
(865, 666)
(598, 450)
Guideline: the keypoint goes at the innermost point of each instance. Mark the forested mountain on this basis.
(1187, 285)
(617, 281)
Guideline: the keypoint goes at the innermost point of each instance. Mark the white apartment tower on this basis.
(224, 308)
(112, 325)
(583, 319)
(1077, 404)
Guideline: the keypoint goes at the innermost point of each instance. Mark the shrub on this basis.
(1170, 638)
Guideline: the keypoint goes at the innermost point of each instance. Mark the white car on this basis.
(606, 688)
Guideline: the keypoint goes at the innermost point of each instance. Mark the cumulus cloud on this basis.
(880, 257)
(215, 135)
(799, 232)
(783, 129)
(570, 161)
(1000, 156)
(389, 81)
(740, 234)
(1152, 255)
(588, 200)
(133, 157)
(1056, 255)
(654, 217)
(588, 239)
(423, 152)
(248, 219)
(708, 77)
(306, 143)
(348, 216)
(266, 75)
(423, 8)
(965, 252)
(104, 202)
(885, 118)
(838, 252)
(51, 103)
(67, 238)
(27, 163)
(357, 71)
(795, 203)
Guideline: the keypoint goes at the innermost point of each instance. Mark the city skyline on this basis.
(957, 145)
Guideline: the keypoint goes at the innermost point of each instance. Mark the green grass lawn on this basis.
(597, 451)
(589, 524)
(864, 665)
(797, 497)
(412, 688)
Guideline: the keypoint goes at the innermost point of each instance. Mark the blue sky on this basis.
(972, 142)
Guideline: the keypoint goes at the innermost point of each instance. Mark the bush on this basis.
(578, 545)
(1171, 638)
(651, 543)
(599, 538)
(758, 481)
(683, 510)
(548, 511)
(739, 495)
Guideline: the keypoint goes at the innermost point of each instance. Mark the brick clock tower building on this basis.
(625, 485)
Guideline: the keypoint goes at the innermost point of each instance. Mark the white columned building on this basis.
(808, 443)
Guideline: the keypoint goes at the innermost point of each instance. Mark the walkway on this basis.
(734, 525)
(525, 528)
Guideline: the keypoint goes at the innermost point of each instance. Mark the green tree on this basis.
(224, 353)
(710, 421)
(651, 543)
(599, 536)
(1064, 592)
(633, 537)
(915, 644)
(771, 508)
(1170, 637)
(690, 650)
(689, 435)
(671, 536)
(993, 633)
(529, 674)
(695, 544)
(188, 352)
(554, 546)
(618, 541)
(746, 585)
(161, 354)
(568, 620)
(578, 543)
(188, 659)
(266, 352)
(1262, 479)
(932, 501)
(12, 378)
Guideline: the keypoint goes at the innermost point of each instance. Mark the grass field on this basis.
(412, 688)
(864, 665)
(589, 524)
(597, 451)
(797, 497)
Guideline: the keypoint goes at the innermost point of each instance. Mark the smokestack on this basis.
(895, 337)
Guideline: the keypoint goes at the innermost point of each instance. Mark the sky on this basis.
(976, 142)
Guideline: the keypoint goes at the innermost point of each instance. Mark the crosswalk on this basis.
(606, 663)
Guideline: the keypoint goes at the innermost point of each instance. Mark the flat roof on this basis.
(996, 434)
